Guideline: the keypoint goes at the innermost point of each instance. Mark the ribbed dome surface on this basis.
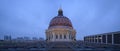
(60, 20)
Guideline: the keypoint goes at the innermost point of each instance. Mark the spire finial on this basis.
(60, 12)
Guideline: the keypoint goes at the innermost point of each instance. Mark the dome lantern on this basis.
(60, 12)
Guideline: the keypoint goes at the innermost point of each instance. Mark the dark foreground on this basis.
(55, 46)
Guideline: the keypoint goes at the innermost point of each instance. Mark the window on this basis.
(56, 36)
(64, 36)
(60, 36)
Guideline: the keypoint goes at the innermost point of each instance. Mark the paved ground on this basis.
(55, 46)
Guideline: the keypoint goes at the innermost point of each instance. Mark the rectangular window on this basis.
(104, 38)
(117, 38)
(109, 38)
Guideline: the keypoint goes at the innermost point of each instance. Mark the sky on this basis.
(20, 18)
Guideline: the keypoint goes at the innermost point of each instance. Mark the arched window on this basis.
(64, 36)
(60, 36)
(56, 36)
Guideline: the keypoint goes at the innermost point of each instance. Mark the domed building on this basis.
(60, 29)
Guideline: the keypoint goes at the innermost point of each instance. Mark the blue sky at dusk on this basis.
(31, 18)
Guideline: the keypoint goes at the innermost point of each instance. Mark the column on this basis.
(58, 36)
(67, 37)
(53, 36)
(94, 39)
(63, 36)
(89, 39)
(101, 39)
(112, 38)
(48, 37)
(97, 39)
(106, 39)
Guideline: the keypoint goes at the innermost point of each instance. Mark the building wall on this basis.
(6, 37)
(117, 38)
(106, 38)
(60, 34)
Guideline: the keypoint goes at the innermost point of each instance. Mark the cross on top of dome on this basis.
(60, 12)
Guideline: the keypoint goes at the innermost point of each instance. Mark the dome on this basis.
(60, 29)
(60, 20)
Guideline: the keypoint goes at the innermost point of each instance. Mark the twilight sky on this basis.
(31, 18)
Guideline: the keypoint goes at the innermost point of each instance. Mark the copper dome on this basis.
(60, 20)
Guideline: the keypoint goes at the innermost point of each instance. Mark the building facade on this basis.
(7, 37)
(60, 29)
(106, 38)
